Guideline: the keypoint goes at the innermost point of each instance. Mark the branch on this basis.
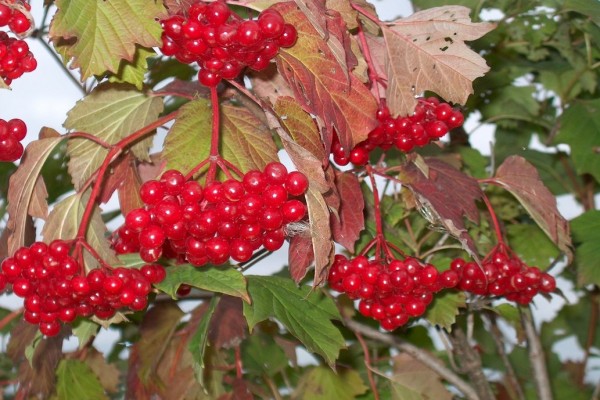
(536, 355)
(417, 353)
(470, 362)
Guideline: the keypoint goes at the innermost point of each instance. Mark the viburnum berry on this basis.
(11, 133)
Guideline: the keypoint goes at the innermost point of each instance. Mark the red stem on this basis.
(366, 13)
(379, 237)
(95, 254)
(238, 362)
(365, 350)
(84, 135)
(373, 77)
(214, 139)
(494, 220)
(9, 317)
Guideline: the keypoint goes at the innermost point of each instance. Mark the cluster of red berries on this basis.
(431, 120)
(11, 134)
(15, 57)
(14, 19)
(56, 290)
(389, 292)
(230, 219)
(222, 43)
(503, 275)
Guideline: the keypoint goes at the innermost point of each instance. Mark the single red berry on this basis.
(288, 36)
(50, 328)
(275, 173)
(19, 23)
(271, 24)
(152, 236)
(151, 192)
(547, 283)
(217, 13)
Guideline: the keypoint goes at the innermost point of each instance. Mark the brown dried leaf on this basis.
(346, 229)
(444, 196)
(228, 327)
(269, 85)
(320, 231)
(178, 6)
(129, 191)
(427, 51)
(521, 178)
(108, 374)
(349, 14)
(22, 185)
(38, 208)
(300, 256)
(411, 375)
(321, 86)
(379, 55)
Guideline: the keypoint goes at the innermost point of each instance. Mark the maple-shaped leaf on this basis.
(22, 187)
(110, 112)
(321, 84)
(521, 179)
(427, 51)
(98, 35)
(350, 220)
(444, 196)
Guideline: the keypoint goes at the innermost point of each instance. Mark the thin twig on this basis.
(470, 362)
(421, 355)
(536, 355)
(365, 349)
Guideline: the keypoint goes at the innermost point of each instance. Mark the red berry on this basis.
(17, 127)
(19, 23)
(296, 183)
(50, 328)
(275, 173)
(288, 36)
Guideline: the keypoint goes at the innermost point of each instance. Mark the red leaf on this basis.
(114, 179)
(521, 178)
(129, 191)
(320, 231)
(346, 229)
(444, 195)
(320, 83)
(228, 326)
(269, 85)
(300, 256)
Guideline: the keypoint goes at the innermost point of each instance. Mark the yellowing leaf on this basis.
(99, 34)
(426, 51)
(111, 113)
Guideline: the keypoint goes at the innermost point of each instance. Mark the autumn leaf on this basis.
(444, 195)
(521, 179)
(300, 256)
(320, 232)
(228, 326)
(321, 383)
(321, 86)
(411, 379)
(22, 188)
(133, 72)
(427, 51)
(99, 34)
(350, 221)
(110, 112)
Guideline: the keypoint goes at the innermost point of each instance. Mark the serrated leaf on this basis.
(21, 187)
(445, 308)
(320, 233)
(198, 342)
(321, 383)
(320, 84)
(346, 230)
(426, 51)
(445, 195)
(305, 313)
(84, 330)
(75, 380)
(522, 180)
(64, 221)
(99, 34)
(133, 72)
(188, 140)
(520, 237)
(245, 140)
(110, 112)
(580, 129)
(221, 280)
(586, 233)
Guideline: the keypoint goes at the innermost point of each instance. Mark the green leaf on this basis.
(188, 140)
(84, 330)
(586, 233)
(510, 104)
(445, 308)
(321, 383)
(246, 141)
(589, 9)
(306, 313)
(131, 260)
(580, 129)
(133, 72)
(110, 112)
(99, 34)
(197, 344)
(225, 280)
(520, 237)
(261, 355)
(75, 380)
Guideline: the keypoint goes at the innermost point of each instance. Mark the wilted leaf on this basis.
(321, 86)
(111, 113)
(300, 256)
(445, 308)
(445, 195)
(304, 312)
(21, 189)
(98, 35)
(38, 207)
(522, 179)
(222, 280)
(346, 230)
(320, 232)
(586, 233)
(75, 380)
(321, 383)
(426, 51)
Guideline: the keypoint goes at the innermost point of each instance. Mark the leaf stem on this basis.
(366, 13)
(87, 136)
(494, 219)
(373, 77)
(365, 349)
(214, 138)
(379, 237)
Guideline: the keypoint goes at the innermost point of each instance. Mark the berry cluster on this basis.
(14, 19)
(390, 293)
(222, 43)
(431, 120)
(223, 220)
(503, 275)
(11, 134)
(56, 290)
